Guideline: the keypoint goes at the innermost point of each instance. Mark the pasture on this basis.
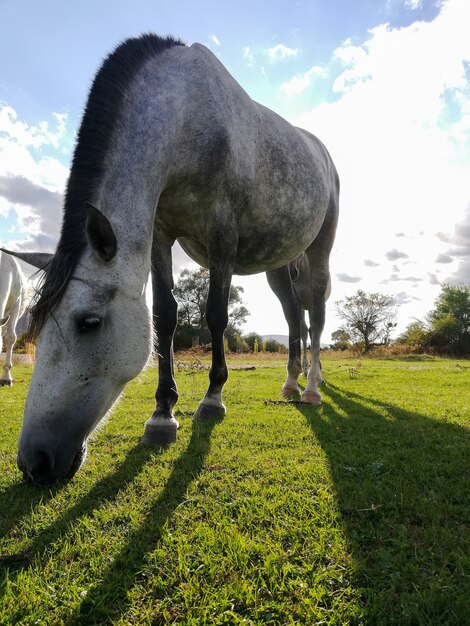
(356, 512)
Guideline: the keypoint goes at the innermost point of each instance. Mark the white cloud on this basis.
(297, 84)
(37, 208)
(443, 258)
(248, 55)
(31, 180)
(402, 155)
(18, 140)
(5, 207)
(394, 254)
(349, 54)
(346, 278)
(460, 240)
(413, 4)
(32, 136)
(215, 40)
(280, 52)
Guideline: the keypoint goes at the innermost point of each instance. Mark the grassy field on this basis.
(357, 512)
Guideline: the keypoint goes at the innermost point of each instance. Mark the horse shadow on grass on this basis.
(402, 483)
(23, 497)
(108, 599)
(20, 499)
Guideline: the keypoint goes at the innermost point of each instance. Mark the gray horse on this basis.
(170, 148)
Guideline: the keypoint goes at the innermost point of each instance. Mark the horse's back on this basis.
(272, 179)
(238, 142)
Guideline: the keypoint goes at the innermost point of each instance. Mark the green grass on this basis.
(357, 512)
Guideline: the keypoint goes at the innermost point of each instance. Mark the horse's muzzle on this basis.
(42, 468)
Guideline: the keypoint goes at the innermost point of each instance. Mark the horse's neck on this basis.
(139, 161)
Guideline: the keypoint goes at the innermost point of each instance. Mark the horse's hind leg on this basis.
(304, 334)
(280, 282)
(318, 256)
(162, 426)
(9, 340)
(2, 330)
(211, 406)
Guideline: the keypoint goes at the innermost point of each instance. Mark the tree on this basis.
(341, 339)
(253, 339)
(449, 321)
(416, 335)
(191, 295)
(447, 327)
(191, 291)
(274, 346)
(369, 318)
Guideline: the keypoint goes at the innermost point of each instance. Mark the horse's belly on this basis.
(251, 258)
(269, 251)
(195, 250)
(272, 238)
(260, 247)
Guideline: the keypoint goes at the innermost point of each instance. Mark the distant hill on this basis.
(284, 340)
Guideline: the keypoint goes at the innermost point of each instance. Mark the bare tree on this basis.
(368, 317)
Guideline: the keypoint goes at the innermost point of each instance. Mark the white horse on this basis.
(170, 148)
(12, 307)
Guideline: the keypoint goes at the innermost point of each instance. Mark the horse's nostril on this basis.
(42, 463)
(41, 468)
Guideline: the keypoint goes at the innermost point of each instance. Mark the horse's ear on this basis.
(36, 259)
(100, 233)
(4, 320)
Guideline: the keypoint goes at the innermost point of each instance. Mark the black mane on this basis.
(94, 137)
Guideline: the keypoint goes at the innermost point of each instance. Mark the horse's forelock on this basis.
(50, 291)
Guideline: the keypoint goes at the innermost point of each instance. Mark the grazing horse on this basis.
(12, 306)
(170, 147)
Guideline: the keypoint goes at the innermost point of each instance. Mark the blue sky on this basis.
(384, 83)
(50, 49)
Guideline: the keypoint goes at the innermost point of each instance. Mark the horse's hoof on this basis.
(207, 411)
(311, 397)
(290, 392)
(160, 431)
(6, 383)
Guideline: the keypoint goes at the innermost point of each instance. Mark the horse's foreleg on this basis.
(211, 406)
(162, 426)
(280, 282)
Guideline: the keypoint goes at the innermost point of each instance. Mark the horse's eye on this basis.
(89, 323)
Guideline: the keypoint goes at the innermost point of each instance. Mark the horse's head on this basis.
(91, 344)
